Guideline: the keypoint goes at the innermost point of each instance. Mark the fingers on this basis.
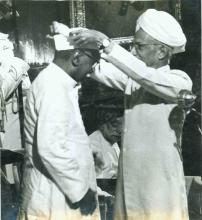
(48, 36)
(75, 32)
(79, 39)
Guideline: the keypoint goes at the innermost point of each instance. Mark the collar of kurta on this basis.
(165, 68)
(59, 70)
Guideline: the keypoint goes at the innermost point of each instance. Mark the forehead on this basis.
(142, 36)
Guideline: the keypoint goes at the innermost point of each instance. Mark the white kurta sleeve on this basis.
(16, 72)
(156, 81)
(55, 146)
(110, 75)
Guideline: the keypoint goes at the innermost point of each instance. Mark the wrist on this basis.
(109, 49)
(106, 45)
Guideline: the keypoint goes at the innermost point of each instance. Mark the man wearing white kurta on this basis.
(151, 182)
(104, 144)
(59, 175)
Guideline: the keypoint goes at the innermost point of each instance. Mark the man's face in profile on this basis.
(145, 48)
(87, 59)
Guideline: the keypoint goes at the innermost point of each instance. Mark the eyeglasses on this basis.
(140, 46)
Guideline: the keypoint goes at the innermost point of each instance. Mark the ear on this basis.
(76, 59)
(163, 52)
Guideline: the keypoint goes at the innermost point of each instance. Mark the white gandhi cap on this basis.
(163, 27)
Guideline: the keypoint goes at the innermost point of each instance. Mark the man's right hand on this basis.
(88, 203)
(88, 37)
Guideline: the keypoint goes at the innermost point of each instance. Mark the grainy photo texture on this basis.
(100, 110)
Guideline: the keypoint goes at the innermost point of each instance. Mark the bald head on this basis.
(76, 62)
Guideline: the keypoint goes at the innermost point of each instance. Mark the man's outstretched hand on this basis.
(88, 37)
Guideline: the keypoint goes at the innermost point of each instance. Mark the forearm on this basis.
(162, 84)
(109, 75)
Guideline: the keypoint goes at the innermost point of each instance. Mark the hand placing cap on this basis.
(59, 28)
(63, 37)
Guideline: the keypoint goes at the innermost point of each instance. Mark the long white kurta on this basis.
(59, 167)
(150, 183)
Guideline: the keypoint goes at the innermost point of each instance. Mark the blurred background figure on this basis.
(13, 72)
(104, 143)
(14, 82)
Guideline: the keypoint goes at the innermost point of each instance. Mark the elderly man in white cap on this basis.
(151, 182)
(59, 176)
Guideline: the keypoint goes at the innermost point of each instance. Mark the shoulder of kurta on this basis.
(45, 87)
(46, 80)
(95, 137)
(184, 77)
(180, 73)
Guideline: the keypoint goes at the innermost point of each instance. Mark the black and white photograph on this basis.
(100, 110)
